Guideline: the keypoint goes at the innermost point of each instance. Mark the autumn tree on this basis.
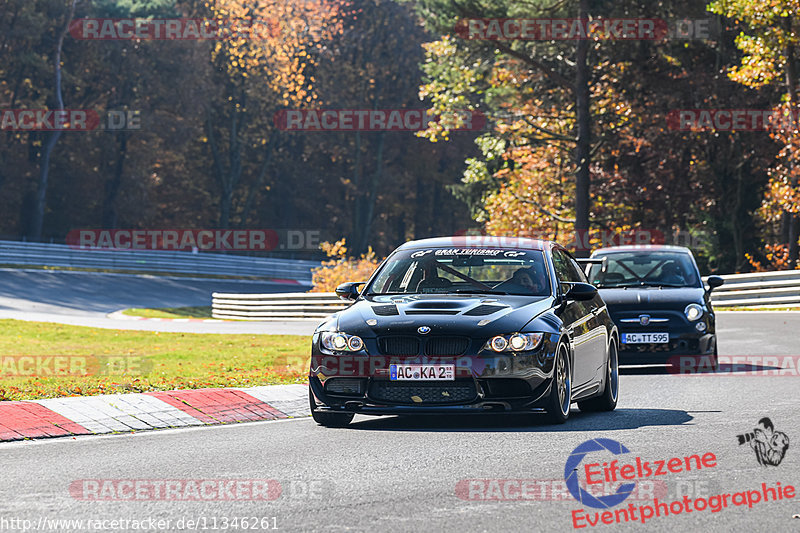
(769, 41)
(262, 64)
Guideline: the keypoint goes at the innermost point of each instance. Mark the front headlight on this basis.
(341, 342)
(693, 312)
(518, 342)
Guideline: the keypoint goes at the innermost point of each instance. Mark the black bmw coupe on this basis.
(657, 299)
(467, 325)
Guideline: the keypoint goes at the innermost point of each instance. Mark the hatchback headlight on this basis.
(693, 312)
(518, 342)
(341, 342)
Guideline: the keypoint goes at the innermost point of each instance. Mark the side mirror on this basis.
(349, 290)
(581, 292)
(714, 282)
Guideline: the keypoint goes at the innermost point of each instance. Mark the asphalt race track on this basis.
(86, 298)
(399, 474)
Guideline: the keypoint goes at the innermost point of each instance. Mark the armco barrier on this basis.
(154, 261)
(293, 306)
(754, 290)
(758, 289)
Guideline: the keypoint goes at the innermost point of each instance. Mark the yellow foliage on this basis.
(777, 259)
(341, 269)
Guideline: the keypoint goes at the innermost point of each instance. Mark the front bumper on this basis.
(684, 338)
(679, 344)
(483, 383)
(480, 401)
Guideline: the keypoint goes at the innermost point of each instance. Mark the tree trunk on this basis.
(113, 184)
(583, 148)
(373, 193)
(357, 199)
(44, 174)
(256, 186)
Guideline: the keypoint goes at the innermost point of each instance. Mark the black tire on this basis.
(608, 400)
(715, 357)
(329, 420)
(560, 398)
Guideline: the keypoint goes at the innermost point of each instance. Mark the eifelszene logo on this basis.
(770, 445)
(615, 471)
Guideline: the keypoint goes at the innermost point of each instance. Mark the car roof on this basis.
(643, 248)
(478, 241)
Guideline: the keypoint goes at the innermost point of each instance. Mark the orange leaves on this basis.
(341, 269)
(276, 51)
(777, 259)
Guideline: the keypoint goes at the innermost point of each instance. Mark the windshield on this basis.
(463, 270)
(645, 268)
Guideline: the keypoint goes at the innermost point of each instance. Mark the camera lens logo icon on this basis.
(573, 483)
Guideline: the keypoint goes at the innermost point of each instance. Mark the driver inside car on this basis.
(528, 278)
(671, 274)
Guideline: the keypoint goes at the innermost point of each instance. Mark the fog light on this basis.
(700, 326)
(498, 343)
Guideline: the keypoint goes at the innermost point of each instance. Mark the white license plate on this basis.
(422, 372)
(645, 338)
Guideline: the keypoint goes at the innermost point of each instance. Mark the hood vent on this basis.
(431, 312)
(484, 309)
(385, 310)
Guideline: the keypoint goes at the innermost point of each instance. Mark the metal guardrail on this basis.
(761, 289)
(154, 261)
(291, 306)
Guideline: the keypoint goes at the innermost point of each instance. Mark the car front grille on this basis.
(399, 345)
(446, 345)
(436, 345)
(421, 393)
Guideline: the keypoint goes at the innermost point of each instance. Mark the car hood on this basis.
(444, 314)
(651, 297)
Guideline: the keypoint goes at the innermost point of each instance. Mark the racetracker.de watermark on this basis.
(173, 29)
(73, 365)
(735, 365)
(175, 489)
(547, 490)
(335, 120)
(199, 489)
(575, 29)
(732, 120)
(587, 240)
(260, 240)
(77, 120)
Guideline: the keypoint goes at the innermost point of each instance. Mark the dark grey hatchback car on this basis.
(657, 299)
